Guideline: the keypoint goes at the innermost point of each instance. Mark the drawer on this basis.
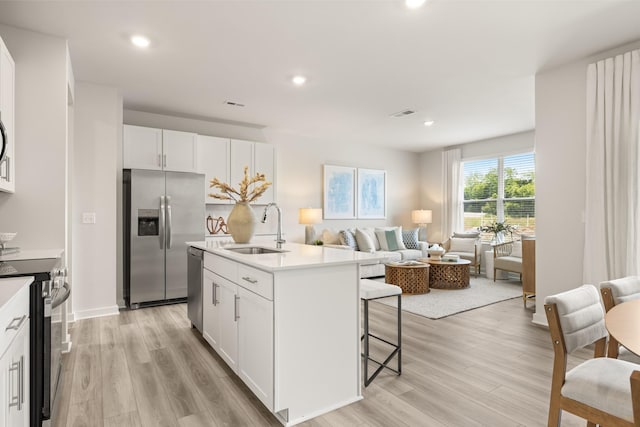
(13, 316)
(221, 266)
(257, 281)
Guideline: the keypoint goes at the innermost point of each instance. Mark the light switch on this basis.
(88, 217)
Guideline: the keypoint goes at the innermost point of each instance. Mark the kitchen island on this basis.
(287, 323)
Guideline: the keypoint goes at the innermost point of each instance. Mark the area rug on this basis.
(441, 303)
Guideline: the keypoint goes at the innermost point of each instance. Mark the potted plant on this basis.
(499, 229)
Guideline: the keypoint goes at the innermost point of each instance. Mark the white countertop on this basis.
(295, 255)
(33, 254)
(10, 287)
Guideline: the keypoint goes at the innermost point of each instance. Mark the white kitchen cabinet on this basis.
(142, 147)
(15, 367)
(210, 309)
(158, 149)
(179, 151)
(241, 155)
(7, 115)
(213, 162)
(264, 161)
(260, 158)
(228, 308)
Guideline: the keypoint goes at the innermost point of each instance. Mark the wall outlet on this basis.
(88, 217)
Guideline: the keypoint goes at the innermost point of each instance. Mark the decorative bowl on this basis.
(6, 237)
(435, 254)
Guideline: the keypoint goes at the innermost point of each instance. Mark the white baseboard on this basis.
(96, 312)
(540, 319)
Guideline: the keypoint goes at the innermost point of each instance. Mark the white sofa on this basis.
(394, 242)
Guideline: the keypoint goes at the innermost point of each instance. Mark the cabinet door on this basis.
(179, 151)
(255, 346)
(142, 148)
(213, 162)
(7, 108)
(241, 155)
(16, 372)
(228, 306)
(211, 309)
(264, 161)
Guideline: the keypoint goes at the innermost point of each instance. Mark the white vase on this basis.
(241, 222)
(500, 237)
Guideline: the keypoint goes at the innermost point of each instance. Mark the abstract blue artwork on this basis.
(339, 192)
(372, 193)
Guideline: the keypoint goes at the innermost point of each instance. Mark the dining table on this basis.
(623, 323)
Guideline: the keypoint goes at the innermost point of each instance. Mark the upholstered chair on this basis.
(616, 292)
(508, 257)
(602, 390)
(467, 246)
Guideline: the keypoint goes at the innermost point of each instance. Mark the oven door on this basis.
(53, 348)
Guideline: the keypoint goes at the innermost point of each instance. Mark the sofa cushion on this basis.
(365, 243)
(462, 245)
(391, 256)
(516, 249)
(390, 238)
(330, 237)
(348, 238)
(509, 263)
(410, 238)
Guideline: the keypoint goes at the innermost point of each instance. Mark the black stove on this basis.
(44, 369)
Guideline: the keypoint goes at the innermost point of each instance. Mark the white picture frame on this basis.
(339, 201)
(372, 194)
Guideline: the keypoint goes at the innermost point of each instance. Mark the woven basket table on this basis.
(449, 275)
(412, 279)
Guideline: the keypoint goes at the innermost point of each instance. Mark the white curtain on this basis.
(612, 214)
(452, 190)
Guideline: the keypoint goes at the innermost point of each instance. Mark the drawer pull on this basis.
(250, 280)
(236, 311)
(15, 326)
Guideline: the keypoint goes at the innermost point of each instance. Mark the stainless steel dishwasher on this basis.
(194, 286)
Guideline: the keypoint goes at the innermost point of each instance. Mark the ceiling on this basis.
(467, 65)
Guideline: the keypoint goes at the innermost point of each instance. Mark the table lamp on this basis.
(309, 216)
(421, 217)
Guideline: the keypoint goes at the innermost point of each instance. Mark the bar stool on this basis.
(373, 290)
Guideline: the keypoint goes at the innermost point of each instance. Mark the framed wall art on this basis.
(372, 194)
(339, 192)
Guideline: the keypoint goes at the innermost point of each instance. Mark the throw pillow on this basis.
(467, 234)
(410, 238)
(330, 237)
(365, 243)
(348, 238)
(462, 245)
(516, 249)
(390, 238)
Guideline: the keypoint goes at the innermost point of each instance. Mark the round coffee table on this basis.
(411, 278)
(449, 275)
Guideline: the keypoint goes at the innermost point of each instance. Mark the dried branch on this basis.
(242, 194)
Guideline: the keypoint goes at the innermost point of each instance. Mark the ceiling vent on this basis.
(234, 104)
(403, 113)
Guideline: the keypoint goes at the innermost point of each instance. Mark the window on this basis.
(500, 189)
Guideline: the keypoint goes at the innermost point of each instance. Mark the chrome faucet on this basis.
(279, 239)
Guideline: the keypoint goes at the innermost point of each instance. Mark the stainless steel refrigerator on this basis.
(162, 211)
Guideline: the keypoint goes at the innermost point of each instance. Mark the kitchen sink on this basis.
(255, 250)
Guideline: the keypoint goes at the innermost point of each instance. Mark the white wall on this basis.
(560, 174)
(431, 195)
(37, 209)
(96, 153)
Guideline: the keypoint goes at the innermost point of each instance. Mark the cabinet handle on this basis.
(14, 401)
(164, 160)
(21, 383)
(236, 311)
(159, 160)
(250, 280)
(214, 289)
(13, 326)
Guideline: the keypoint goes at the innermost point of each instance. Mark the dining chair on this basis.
(616, 292)
(602, 390)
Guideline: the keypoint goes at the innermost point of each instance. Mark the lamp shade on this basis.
(310, 216)
(421, 216)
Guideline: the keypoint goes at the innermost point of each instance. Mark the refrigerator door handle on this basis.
(162, 222)
(169, 234)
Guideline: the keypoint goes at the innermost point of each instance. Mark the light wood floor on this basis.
(484, 367)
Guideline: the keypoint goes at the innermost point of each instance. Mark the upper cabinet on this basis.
(7, 115)
(158, 149)
(264, 161)
(213, 162)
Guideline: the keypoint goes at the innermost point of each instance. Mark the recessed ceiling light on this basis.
(429, 123)
(299, 80)
(140, 41)
(414, 4)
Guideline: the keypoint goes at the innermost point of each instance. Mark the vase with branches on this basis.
(499, 229)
